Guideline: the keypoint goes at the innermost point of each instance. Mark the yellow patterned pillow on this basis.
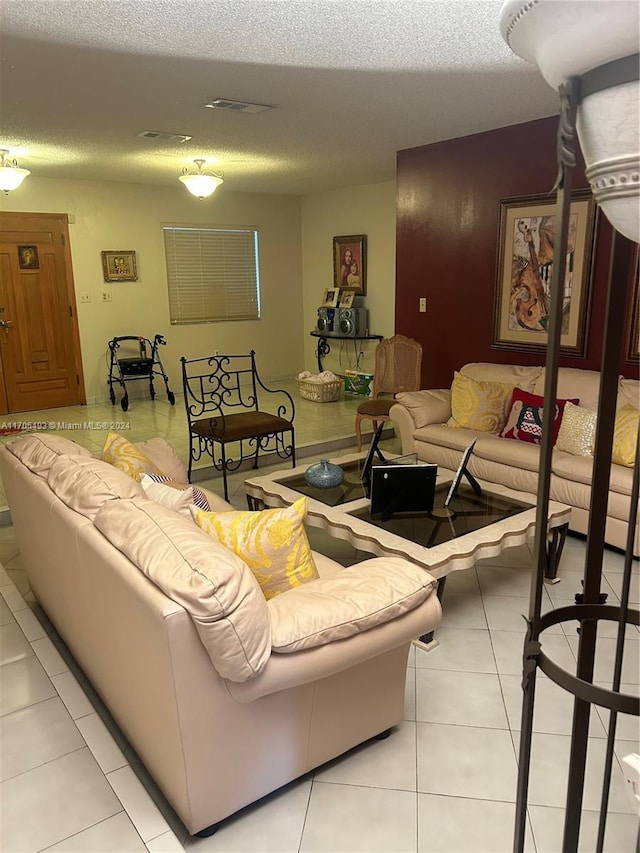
(121, 453)
(479, 405)
(577, 432)
(625, 436)
(273, 543)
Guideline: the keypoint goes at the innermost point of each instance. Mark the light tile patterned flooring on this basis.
(444, 781)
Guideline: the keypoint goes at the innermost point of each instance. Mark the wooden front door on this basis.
(39, 340)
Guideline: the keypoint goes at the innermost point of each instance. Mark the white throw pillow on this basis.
(176, 496)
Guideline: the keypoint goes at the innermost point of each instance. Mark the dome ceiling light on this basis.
(199, 183)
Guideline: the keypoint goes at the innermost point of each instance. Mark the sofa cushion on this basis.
(628, 393)
(512, 454)
(574, 382)
(577, 432)
(176, 496)
(427, 407)
(209, 581)
(509, 374)
(579, 469)
(38, 451)
(122, 454)
(625, 436)
(84, 483)
(525, 418)
(351, 601)
(444, 436)
(164, 457)
(273, 543)
(479, 405)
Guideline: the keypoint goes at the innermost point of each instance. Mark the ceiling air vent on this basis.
(158, 136)
(236, 106)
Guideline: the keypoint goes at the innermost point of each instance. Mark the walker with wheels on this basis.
(145, 365)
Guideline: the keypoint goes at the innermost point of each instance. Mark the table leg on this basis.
(427, 641)
(555, 544)
(322, 350)
(254, 504)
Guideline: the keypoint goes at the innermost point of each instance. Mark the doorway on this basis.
(40, 359)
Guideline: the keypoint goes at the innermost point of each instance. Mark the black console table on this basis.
(324, 347)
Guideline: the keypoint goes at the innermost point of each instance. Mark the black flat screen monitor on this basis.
(463, 472)
(398, 489)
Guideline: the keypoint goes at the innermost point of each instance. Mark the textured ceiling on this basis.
(351, 83)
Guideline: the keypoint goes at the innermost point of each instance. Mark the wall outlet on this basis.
(106, 296)
(85, 296)
(423, 304)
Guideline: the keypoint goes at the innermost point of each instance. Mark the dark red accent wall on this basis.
(448, 208)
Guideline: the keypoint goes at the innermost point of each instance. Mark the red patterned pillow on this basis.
(525, 418)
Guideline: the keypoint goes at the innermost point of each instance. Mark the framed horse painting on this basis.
(525, 269)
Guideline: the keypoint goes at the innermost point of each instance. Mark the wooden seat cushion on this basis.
(375, 408)
(240, 425)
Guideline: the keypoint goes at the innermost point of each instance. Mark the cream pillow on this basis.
(483, 406)
(625, 436)
(273, 543)
(577, 432)
(176, 496)
(121, 453)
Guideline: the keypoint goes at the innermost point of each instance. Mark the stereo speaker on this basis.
(326, 321)
(352, 322)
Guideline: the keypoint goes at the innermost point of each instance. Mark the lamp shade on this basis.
(10, 176)
(570, 39)
(201, 184)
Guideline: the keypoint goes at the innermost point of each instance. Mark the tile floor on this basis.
(444, 781)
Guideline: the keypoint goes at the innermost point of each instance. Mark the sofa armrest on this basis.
(413, 410)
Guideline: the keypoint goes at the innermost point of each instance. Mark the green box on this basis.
(357, 383)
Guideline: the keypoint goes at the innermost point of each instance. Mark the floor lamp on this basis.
(588, 51)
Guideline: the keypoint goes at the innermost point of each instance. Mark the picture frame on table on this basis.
(120, 265)
(330, 298)
(525, 267)
(350, 263)
(346, 298)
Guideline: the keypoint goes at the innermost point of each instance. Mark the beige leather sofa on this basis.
(224, 696)
(421, 420)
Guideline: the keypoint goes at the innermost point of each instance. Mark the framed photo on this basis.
(346, 298)
(350, 263)
(525, 268)
(28, 258)
(119, 266)
(633, 341)
(330, 298)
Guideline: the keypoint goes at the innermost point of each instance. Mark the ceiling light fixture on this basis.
(10, 176)
(201, 184)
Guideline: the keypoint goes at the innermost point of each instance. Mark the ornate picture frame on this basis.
(350, 263)
(524, 270)
(120, 265)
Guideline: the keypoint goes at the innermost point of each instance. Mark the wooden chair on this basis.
(397, 368)
(221, 396)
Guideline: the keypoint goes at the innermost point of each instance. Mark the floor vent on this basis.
(236, 106)
(163, 137)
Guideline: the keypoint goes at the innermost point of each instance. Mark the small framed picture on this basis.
(330, 298)
(346, 298)
(28, 258)
(119, 266)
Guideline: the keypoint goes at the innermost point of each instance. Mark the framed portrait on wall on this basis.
(526, 242)
(120, 265)
(350, 263)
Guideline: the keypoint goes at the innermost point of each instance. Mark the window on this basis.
(212, 274)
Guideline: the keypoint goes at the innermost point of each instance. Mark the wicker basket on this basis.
(320, 392)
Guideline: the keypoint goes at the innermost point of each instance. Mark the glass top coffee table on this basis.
(442, 541)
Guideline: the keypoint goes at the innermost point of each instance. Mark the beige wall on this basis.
(129, 216)
(295, 241)
(369, 210)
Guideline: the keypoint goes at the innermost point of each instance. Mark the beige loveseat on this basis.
(225, 696)
(422, 420)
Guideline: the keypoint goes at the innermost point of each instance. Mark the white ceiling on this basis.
(351, 82)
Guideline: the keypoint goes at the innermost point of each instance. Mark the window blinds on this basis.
(212, 274)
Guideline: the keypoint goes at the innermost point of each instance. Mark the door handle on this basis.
(4, 324)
